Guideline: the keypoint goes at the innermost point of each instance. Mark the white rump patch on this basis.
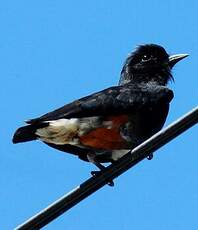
(62, 131)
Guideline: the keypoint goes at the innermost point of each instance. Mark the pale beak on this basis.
(173, 59)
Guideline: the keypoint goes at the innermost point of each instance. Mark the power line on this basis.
(111, 172)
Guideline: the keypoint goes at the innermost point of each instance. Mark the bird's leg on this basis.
(100, 166)
(150, 156)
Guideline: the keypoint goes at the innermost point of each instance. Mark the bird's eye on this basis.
(145, 58)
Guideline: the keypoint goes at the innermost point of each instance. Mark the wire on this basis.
(111, 172)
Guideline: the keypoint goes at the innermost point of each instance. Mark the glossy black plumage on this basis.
(142, 95)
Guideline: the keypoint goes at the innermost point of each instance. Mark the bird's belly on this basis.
(94, 132)
(107, 137)
(103, 138)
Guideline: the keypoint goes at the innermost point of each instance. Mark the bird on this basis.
(106, 125)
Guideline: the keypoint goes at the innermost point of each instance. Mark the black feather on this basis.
(27, 133)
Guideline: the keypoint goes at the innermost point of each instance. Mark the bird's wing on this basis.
(113, 100)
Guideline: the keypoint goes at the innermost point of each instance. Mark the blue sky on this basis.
(52, 52)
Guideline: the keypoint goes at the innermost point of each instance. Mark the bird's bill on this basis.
(173, 59)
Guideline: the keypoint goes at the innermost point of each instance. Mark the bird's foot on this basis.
(95, 173)
(91, 158)
(150, 156)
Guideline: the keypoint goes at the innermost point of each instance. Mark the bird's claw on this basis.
(95, 173)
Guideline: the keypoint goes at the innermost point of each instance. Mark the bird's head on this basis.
(148, 63)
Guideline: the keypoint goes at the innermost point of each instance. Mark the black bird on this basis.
(104, 126)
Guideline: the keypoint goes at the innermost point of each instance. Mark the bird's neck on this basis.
(160, 78)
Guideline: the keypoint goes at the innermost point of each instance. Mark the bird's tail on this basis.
(25, 133)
